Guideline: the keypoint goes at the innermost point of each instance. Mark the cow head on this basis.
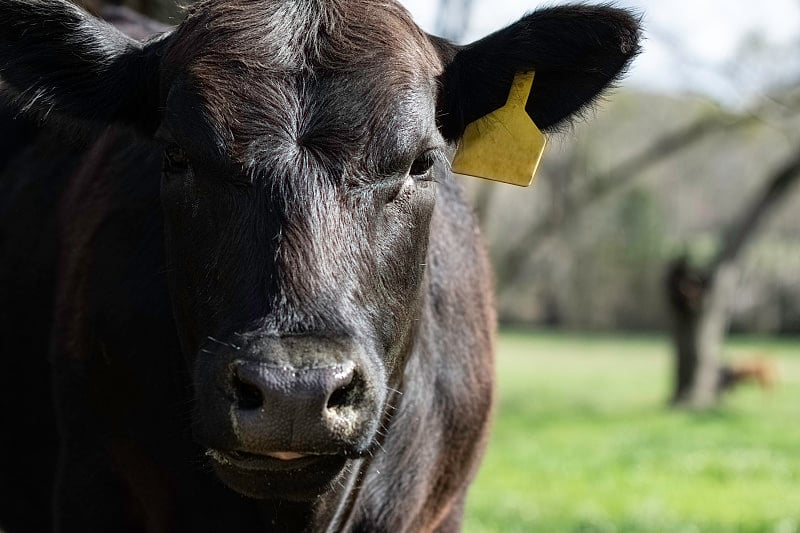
(304, 142)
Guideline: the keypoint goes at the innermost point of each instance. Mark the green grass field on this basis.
(583, 441)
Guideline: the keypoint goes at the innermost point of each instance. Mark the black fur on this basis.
(263, 188)
(57, 61)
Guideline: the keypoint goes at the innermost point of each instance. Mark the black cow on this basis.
(234, 252)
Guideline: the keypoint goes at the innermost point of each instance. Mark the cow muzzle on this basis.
(287, 410)
(281, 410)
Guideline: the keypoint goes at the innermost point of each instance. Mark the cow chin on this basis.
(301, 479)
(300, 471)
(296, 475)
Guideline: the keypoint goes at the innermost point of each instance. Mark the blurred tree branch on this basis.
(742, 231)
(578, 198)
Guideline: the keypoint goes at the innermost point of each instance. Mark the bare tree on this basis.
(577, 194)
(700, 297)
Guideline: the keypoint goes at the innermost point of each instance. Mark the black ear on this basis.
(577, 51)
(58, 61)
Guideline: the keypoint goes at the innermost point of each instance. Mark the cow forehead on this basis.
(243, 37)
(306, 72)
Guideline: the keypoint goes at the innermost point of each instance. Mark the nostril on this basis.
(345, 395)
(248, 397)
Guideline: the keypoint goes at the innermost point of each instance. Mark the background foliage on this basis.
(601, 264)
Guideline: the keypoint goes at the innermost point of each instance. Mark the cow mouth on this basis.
(267, 462)
(289, 475)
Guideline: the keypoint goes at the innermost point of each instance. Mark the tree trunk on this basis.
(700, 300)
(700, 308)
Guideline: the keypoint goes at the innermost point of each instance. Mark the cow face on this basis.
(303, 144)
(298, 188)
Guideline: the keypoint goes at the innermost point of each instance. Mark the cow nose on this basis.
(281, 407)
(257, 385)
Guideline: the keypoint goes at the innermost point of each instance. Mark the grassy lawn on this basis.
(582, 441)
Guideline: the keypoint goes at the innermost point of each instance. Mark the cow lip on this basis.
(270, 461)
(261, 476)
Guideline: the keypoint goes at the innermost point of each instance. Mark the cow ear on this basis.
(57, 61)
(576, 52)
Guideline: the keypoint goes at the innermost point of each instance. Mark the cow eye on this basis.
(422, 164)
(175, 159)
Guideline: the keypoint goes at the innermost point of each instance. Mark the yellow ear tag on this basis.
(504, 145)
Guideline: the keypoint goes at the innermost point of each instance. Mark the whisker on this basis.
(378, 442)
(228, 344)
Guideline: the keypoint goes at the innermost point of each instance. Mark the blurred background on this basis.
(648, 285)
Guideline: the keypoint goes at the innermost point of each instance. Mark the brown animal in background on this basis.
(760, 370)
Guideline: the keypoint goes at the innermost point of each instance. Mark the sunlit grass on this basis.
(583, 441)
